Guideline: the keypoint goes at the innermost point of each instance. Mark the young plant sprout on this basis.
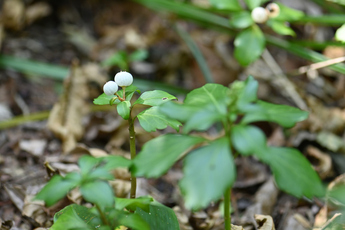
(259, 15)
(110, 88)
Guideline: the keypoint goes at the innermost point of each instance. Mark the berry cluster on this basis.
(261, 15)
(122, 79)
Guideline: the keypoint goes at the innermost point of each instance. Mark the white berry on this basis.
(110, 88)
(273, 10)
(123, 78)
(259, 15)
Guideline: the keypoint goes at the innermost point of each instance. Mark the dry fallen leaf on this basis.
(265, 222)
(65, 119)
(12, 14)
(265, 199)
(34, 147)
(324, 166)
(36, 11)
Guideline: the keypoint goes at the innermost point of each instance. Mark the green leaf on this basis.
(284, 115)
(104, 99)
(99, 173)
(241, 20)
(133, 221)
(159, 217)
(248, 93)
(58, 187)
(75, 217)
(138, 55)
(249, 44)
(117, 59)
(152, 119)
(340, 34)
(288, 14)
(113, 162)
(202, 107)
(154, 98)
(98, 192)
(124, 109)
(232, 5)
(248, 140)
(208, 172)
(293, 173)
(132, 204)
(254, 3)
(87, 163)
(280, 27)
(159, 154)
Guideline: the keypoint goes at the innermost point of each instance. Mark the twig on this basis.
(282, 81)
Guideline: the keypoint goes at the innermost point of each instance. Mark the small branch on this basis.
(319, 65)
(124, 92)
(227, 215)
(133, 154)
(282, 81)
(120, 98)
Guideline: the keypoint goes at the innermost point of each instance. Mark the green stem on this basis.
(133, 154)
(227, 215)
(103, 218)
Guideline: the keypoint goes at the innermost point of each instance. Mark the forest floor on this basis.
(79, 36)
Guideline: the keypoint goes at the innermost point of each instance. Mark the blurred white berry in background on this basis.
(273, 10)
(259, 15)
(110, 88)
(123, 78)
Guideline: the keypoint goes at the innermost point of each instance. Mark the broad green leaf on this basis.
(232, 5)
(248, 93)
(288, 14)
(154, 98)
(123, 109)
(293, 173)
(132, 204)
(87, 163)
(98, 192)
(284, 115)
(249, 44)
(58, 187)
(178, 111)
(208, 172)
(340, 34)
(248, 140)
(138, 55)
(202, 107)
(159, 154)
(113, 162)
(335, 194)
(214, 94)
(241, 20)
(280, 27)
(254, 3)
(159, 217)
(104, 99)
(133, 221)
(81, 213)
(75, 217)
(99, 173)
(203, 119)
(152, 119)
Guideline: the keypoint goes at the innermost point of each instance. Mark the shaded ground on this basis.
(82, 34)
